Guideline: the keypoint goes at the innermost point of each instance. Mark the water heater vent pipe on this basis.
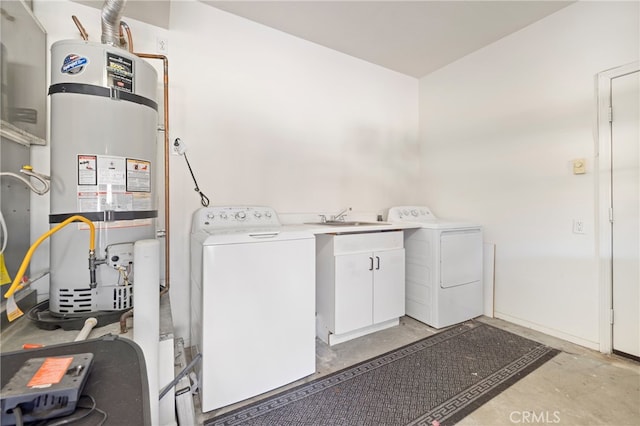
(111, 14)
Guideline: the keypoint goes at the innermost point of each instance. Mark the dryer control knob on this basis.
(414, 212)
(223, 215)
(241, 215)
(210, 215)
(258, 215)
(267, 214)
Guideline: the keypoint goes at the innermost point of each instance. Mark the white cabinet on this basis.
(359, 284)
(388, 285)
(353, 295)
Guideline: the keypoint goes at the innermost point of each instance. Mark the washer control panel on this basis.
(410, 214)
(213, 218)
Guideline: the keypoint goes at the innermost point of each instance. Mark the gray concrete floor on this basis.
(578, 387)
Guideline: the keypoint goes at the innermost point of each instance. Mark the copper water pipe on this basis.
(83, 32)
(129, 37)
(123, 321)
(165, 61)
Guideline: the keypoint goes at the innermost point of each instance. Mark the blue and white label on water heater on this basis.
(74, 64)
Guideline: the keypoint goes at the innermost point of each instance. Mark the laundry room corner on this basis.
(499, 143)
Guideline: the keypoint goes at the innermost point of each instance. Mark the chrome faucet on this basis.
(340, 216)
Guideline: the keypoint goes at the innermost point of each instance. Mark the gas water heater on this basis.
(104, 125)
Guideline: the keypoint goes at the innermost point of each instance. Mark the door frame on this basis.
(604, 199)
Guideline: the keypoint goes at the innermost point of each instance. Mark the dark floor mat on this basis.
(441, 378)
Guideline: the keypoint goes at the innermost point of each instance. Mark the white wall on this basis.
(499, 130)
(270, 119)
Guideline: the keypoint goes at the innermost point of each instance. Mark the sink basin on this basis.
(348, 223)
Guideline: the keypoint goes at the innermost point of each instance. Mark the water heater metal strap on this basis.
(90, 89)
(106, 216)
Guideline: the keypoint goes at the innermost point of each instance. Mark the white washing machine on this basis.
(443, 267)
(252, 301)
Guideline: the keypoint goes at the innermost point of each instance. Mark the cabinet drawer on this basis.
(367, 242)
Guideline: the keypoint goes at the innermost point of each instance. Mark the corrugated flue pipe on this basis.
(111, 13)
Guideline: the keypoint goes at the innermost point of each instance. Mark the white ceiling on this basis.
(411, 37)
(154, 12)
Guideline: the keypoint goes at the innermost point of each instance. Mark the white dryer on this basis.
(443, 267)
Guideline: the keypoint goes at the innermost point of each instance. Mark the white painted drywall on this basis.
(499, 130)
(270, 119)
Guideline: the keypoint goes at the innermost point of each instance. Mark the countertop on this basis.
(317, 228)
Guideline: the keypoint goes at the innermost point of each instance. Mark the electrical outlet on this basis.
(578, 226)
(162, 45)
(179, 147)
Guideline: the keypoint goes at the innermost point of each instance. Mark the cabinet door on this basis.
(354, 298)
(388, 285)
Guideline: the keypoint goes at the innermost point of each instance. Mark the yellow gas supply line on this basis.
(27, 258)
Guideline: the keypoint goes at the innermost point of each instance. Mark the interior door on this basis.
(625, 177)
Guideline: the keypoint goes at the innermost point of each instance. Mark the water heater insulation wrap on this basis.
(103, 147)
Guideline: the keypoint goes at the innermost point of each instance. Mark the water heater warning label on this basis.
(119, 72)
(107, 182)
(87, 170)
(138, 175)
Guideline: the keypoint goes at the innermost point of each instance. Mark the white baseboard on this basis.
(550, 331)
